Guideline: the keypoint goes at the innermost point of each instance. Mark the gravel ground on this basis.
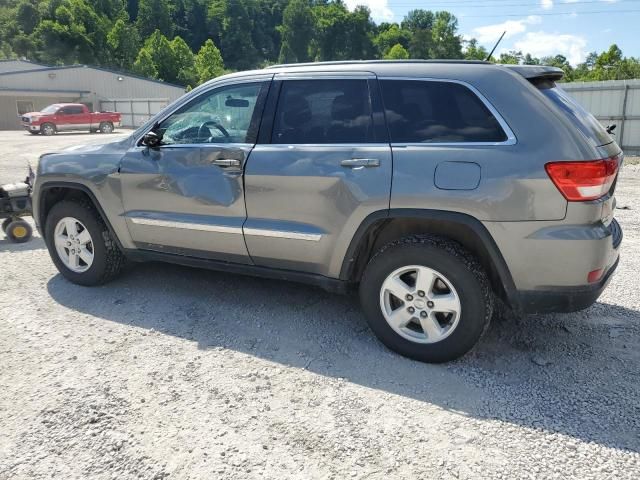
(179, 373)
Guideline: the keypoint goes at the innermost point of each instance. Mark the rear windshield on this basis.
(582, 119)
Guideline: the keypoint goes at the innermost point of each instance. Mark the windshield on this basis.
(50, 109)
(583, 120)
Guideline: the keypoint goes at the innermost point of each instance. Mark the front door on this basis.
(321, 166)
(186, 197)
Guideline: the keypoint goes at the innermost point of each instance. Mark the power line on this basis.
(554, 14)
(498, 3)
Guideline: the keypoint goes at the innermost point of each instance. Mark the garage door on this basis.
(135, 112)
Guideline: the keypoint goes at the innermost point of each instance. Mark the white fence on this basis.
(614, 101)
(135, 111)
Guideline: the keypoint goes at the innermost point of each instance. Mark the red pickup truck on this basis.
(69, 116)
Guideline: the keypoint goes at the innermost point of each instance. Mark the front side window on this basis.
(323, 112)
(223, 115)
(437, 112)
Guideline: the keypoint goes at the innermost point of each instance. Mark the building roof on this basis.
(67, 67)
(14, 65)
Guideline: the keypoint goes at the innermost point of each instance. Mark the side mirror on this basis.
(152, 139)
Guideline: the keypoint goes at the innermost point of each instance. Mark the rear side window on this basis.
(323, 111)
(583, 120)
(437, 112)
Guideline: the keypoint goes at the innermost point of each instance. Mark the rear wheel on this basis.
(426, 298)
(81, 245)
(106, 127)
(48, 129)
(19, 231)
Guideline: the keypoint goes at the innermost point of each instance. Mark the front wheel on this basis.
(48, 129)
(81, 245)
(106, 127)
(426, 298)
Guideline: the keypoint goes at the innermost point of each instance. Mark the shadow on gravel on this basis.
(577, 375)
(36, 243)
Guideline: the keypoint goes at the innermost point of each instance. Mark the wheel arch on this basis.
(53, 192)
(383, 227)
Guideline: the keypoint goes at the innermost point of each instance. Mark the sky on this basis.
(572, 28)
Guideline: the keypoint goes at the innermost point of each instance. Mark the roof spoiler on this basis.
(537, 72)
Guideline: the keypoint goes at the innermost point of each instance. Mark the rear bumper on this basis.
(563, 299)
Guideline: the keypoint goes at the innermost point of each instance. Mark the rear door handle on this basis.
(360, 162)
(226, 162)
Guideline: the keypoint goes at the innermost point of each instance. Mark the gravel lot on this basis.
(171, 372)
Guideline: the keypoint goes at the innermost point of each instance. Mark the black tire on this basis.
(106, 127)
(108, 260)
(5, 223)
(48, 129)
(460, 268)
(19, 231)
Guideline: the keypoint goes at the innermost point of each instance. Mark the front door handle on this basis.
(226, 162)
(360, 162)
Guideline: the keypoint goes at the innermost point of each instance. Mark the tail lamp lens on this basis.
(582, 181)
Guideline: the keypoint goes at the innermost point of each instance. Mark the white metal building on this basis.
(26, 86)
(613, 102)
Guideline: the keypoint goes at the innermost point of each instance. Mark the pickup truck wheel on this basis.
(426, 298)
(106, 127)
(81, 245)
(48, 129)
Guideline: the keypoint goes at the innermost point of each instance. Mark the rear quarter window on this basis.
(581, 118)
(420, 111)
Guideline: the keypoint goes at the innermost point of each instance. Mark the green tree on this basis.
(144, 65)
(446, 42)
(27, 16)
(474, 51)
(208, 62)
(421, 44)
(159, 48)
(296, 32)
(397, 52)
(183, 60)
(154, 15)
(512, 57)
(391, 36)
(124, 42)
(418, 20)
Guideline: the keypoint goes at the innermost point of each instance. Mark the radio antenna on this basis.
(495, 46)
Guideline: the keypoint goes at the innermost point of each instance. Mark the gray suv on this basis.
(434, 188)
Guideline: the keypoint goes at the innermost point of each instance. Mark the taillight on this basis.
(581, 181)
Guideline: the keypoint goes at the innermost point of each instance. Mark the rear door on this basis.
(76, 118)
(321, 165)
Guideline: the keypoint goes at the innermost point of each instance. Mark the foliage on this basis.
(397, 52)
(159, 38)
(296, 32)
(208, 62)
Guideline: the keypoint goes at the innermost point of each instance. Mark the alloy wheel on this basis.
(74, 244)
(420, 304)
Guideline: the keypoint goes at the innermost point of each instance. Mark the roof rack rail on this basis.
(363, 62)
